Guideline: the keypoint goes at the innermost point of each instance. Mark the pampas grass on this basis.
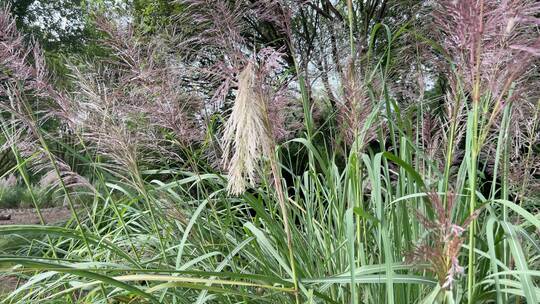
(324, 216)
(246, 135)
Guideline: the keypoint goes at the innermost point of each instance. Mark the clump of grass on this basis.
(323, 217)
(11, 197)
(23, 197)
(15, 195)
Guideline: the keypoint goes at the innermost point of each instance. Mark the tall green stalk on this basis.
(474, 150)
(276, 175)
(473, 160)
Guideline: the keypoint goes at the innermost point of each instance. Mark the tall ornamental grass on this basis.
(252, 189)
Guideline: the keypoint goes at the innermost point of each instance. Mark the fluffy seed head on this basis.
(246, 133)
(441, 245)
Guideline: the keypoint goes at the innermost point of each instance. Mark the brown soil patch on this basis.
(8, 285)
(29, 216)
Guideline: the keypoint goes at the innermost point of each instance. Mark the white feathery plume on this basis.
(246, 133)
(249, 132)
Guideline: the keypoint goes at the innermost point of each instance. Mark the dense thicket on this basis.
(273, 151)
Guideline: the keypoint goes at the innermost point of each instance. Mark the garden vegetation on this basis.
(275, 151)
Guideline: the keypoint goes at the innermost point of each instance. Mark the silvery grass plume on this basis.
(257, 119)
(249, 132)
(524, 170)
(246, 132)
(223, 47)
(441, 246)
(493, 49)
(493, 45)
(151, 80)
(356, 109)
(492, 38)
(225, 26)
(226, 34)
(431, 136)
(113, 129)
(16, 57)
(24, 69)
(24, 137)
(131, 109)
(25, 91)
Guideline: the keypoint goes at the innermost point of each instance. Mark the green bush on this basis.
(11, 197)
(399, 198)
(23, 197)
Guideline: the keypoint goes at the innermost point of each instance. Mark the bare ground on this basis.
(30, 216)
(8, 284)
